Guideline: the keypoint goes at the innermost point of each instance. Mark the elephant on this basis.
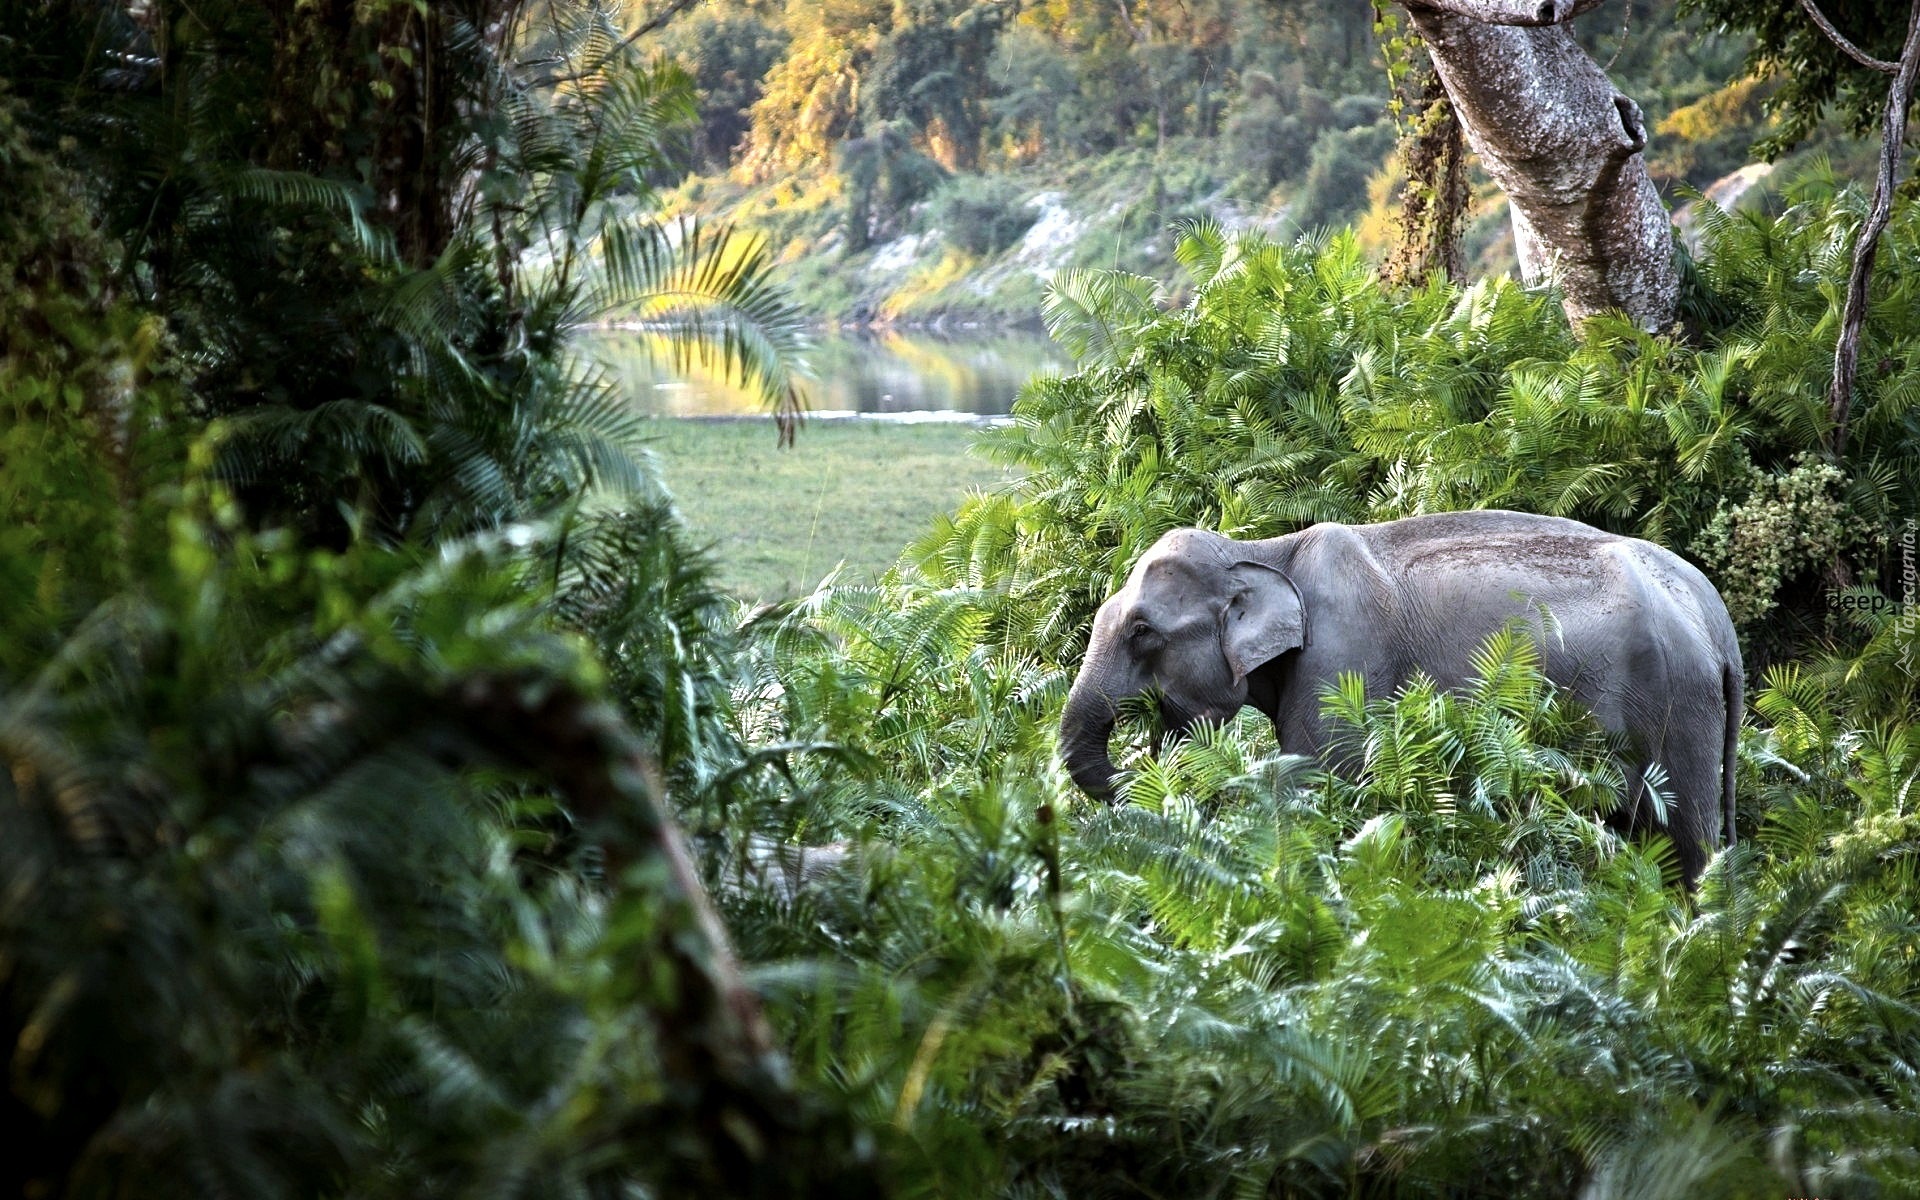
(1630, 629)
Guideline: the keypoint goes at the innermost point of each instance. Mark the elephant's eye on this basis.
(1142, 635)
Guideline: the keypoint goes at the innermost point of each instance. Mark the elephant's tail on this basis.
(1733, 696)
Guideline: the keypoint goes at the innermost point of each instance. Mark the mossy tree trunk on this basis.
(1565, 145)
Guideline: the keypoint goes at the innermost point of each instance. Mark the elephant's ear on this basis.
(1264, 619)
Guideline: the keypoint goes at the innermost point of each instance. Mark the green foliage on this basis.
(77, 381)
(1814, 74)
(1792, 522)
(1338, 170)
(981, 214)
(1514, 767)
(345, 867)
(351, 868)
(378, 315)
(1439, 974)
(297, 848)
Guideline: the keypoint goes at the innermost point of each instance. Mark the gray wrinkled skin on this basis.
(1633, 631)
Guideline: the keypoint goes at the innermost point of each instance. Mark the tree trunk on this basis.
(1567, 148)
(1866, 246)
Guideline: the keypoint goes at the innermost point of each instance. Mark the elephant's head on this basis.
(1196, 617)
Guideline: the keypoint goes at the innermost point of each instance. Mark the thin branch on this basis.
(1846, 47)
(1531, 13)
(1853, 320)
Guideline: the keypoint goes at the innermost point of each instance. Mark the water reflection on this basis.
(868, 371)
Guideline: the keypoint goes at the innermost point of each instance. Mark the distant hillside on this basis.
(925, 160)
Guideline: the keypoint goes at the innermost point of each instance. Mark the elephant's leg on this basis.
(1636, 809)
(1683, 733)
(1694, 780)
(1672, 714)
(1686, 810)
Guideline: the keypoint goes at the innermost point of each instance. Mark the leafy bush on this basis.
(1441, 975)
(981, 214)
(1338, 170)
(334, 861)
(1266, 140)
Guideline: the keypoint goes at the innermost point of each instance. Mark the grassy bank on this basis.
(851, 491)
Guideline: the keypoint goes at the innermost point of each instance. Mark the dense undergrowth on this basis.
(336, 853)
(348, 720)
(1445, 978)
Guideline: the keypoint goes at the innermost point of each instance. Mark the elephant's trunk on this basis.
(1086, 724)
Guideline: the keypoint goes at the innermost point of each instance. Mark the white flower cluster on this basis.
(1789, 522)
(1870, 836)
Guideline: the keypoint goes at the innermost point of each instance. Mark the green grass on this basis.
(852, 491)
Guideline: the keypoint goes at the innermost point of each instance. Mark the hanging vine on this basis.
(1433, 152)
(1433, 204)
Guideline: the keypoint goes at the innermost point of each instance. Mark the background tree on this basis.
(1827, 64)
(728, 53)
(1566, 146)
(373, 239)
(926, 73)
(811, 97)
(884, 175)
(1536, 108)
(310, 876)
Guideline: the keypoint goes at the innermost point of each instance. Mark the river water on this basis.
(878, 373)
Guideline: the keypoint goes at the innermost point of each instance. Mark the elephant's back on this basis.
(1465, 574)
(1485, 544)
(1458, 576)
